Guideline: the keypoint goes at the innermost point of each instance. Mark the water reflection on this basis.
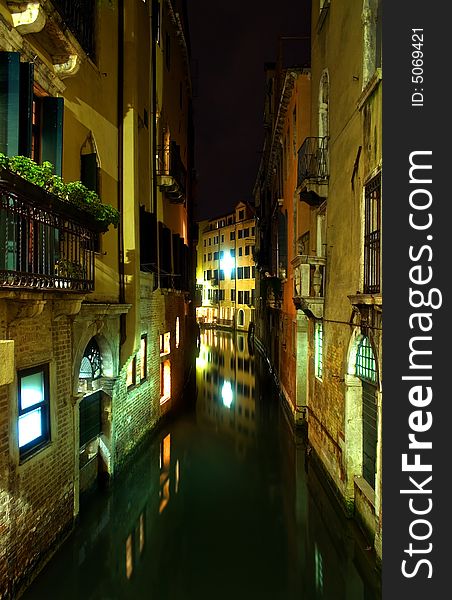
(218, 506)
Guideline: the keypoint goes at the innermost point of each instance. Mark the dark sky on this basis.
(230, 43)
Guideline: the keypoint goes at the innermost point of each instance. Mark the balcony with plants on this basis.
(48, 228)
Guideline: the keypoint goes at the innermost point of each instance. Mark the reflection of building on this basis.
(225, 378)
(225, 271)
(329, 234)
(97, 89)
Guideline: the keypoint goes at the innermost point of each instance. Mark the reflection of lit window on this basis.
(141, 532)
(165, 381)
(165, 343)
(177, 332)
(165, 459)
(34, 422)
(131, 372)
(318, 569)
(226, 394)
(177, 476)
(129, 556)
(143, 357)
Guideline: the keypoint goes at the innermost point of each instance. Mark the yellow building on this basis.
(225, 271)
(95, 314)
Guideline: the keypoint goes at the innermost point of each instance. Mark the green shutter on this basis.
(9, 103)
(88, 171)
(52, 132)
(25, 108)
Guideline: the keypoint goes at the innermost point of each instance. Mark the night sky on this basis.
(230, 42)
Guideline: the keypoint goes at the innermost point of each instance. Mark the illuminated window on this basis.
(165, 346)
(131, 372)
(177, 332)
(144, 357)
(366, 367)
(34, 409)
(165, 381)
(318, 349)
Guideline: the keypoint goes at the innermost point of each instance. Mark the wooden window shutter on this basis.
(26, 107)
(52, 132)
(9, 103)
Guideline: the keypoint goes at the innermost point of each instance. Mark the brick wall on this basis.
(137, 410)
(37, 498)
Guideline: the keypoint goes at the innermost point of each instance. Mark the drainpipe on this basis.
(120, 108)
(154, 20)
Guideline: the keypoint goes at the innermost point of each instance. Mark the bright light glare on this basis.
(227, 263)
(30, 427)
(226, 394)
(31, 390)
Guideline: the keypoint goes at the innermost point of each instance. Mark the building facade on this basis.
(333, 241)
(225, 271)
(95, 316)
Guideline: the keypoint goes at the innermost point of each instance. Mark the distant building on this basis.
(225, 272)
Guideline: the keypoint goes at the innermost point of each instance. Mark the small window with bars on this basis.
(318, 356)
(372, 225)
(366, 367)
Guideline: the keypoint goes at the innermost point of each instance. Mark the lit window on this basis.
(144, 357)
(177, 332)
(165, 381)
(366, 367)
(131, 372)
(165, 346)
(34, 409)
(319, 350)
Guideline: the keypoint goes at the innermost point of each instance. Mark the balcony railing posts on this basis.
(41, 247)
(169, 164)
(313, 160)
(79, 16)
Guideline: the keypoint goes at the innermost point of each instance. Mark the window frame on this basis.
(318, 350)
(144, 358)
(40, 442)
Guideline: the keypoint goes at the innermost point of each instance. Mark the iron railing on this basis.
(41, 246)
(79, 16)
(313, 160)
(169, 163)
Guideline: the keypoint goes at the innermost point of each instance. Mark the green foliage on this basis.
(74, 192)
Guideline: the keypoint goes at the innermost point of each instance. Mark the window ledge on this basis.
(370, 88)
(366, 490)
(164, 399)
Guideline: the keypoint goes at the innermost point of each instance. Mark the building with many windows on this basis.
(95, 253)
(322, 210)
(225, 271)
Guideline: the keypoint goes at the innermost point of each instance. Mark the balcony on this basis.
(64, 28)
(312, 176)
(171, 173)
(309, 278)
(271, 289)
(45, 243)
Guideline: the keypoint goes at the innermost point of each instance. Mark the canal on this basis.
(221, 504)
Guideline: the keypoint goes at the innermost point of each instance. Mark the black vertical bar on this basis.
(416, 501)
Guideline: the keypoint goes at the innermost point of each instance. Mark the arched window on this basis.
(324, 96)
(366, 368)
(91, 365)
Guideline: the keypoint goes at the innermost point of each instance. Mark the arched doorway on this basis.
(93, 462)
(366, 371)
(241, 317)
